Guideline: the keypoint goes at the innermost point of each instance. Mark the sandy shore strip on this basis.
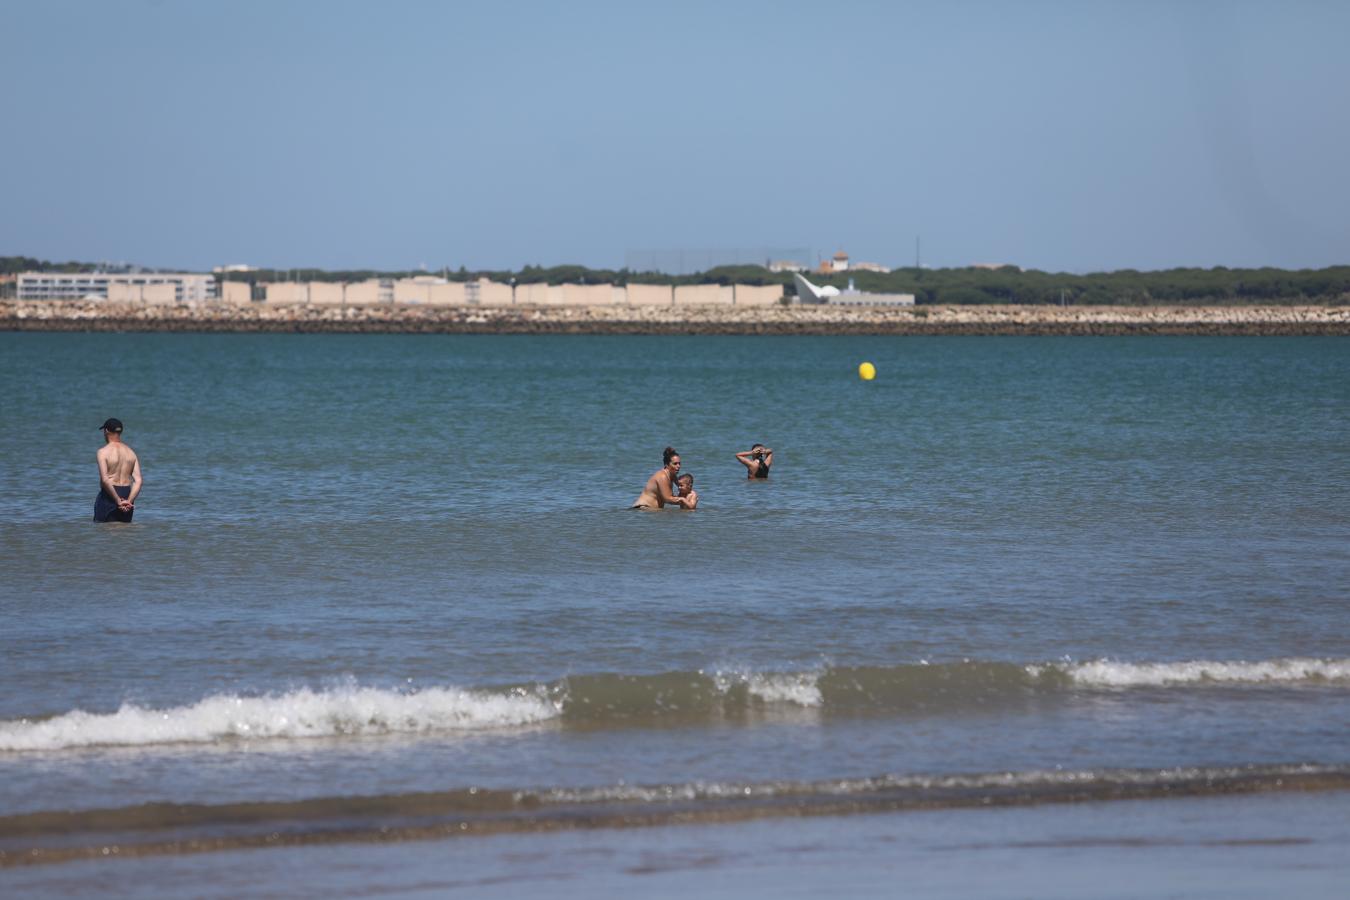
(953, 320)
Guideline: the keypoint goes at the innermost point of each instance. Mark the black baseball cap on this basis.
(112, 425)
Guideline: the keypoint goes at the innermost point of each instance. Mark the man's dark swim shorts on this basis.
(105, 510)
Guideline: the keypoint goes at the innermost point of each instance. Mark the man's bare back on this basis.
(116, 462)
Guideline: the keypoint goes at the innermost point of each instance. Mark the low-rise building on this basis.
(169, 289)
(858, 298)
(187, 287)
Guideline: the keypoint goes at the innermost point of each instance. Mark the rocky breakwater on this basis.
(56, 315)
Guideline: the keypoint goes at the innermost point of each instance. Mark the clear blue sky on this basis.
(1074, 136)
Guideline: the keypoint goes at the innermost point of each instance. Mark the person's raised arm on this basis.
(744, 458)
(768, 456)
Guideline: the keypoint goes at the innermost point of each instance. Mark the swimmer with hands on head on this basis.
(660, 488)
(756, 461)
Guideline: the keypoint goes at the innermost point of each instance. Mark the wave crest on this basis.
(303, 713)
(1105, 673)
(617, 700)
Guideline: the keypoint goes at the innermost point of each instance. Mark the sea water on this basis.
(383, 598)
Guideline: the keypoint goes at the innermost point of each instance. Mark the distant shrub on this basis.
(963, 295)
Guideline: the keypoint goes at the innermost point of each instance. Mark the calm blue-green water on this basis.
(387, 565)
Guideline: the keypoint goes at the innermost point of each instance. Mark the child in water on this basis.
(686, 483)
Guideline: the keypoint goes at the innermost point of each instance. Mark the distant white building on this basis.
(786, 265)
(162, 287)
(841, 263)
(870, 267)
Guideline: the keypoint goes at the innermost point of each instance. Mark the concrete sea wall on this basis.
(673, 319)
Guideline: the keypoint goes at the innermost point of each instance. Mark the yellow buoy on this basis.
(867, 371)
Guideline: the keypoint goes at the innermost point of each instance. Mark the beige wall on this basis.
(703, 295)
(236, 293)
(329, 293)
(758, 295)
(493, 293)
(649, 295)
(159, 293)
(362, 293)
(430, 291)
(535, 295)
(286, 292)
(150, 294)
(124, 293)
(587, 294)
(406, 290)
(490, 293)
(451, 294)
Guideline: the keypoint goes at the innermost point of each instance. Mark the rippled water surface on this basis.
(384, 565)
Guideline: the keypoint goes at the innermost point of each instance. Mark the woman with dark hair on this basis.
(756, 461)
(660, 488)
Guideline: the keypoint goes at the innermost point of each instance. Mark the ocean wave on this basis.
(304, 713)
(1104, 673)
(616, 700)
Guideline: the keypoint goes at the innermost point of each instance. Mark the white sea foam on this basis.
(302, 713)
(1033, 778)
(801, 688)
(1105, 673)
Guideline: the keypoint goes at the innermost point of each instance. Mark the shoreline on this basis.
(673, 320)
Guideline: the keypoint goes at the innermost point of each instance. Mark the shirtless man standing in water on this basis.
(119, 477)
(660, 487)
